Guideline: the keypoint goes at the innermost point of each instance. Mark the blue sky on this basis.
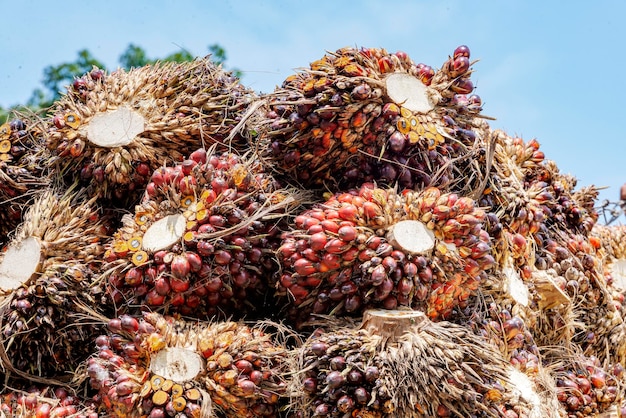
(548, 70)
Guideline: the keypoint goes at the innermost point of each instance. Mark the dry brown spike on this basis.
(550, 294)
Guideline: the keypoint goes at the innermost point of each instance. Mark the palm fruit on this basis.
(527, 192)
(597, 313)
(22, 169)
(155, 366)
(359, 115)
(45, 401)
(375, 247)
(50, 296)
(542, 220)
(399, 363)
(514, 339)
(584, 386)
(202, 242)
(112, 130)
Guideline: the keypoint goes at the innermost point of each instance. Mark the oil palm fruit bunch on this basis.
(374, 247)
(50, 294)
(364, 371)
(511, 335)
(112, 130)
(22, 168)
(527, 192)
(155, 366)
(202, 242)
(585, 387)
(45, 402)
(359, 115)
(599, 321)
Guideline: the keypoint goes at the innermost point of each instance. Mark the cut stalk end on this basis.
(20, 262)
(618, 271)
(391, 324)
(164, 233)
(115, 128)
(408, 92)
(177, 364)
(412, 237)
(515, 286)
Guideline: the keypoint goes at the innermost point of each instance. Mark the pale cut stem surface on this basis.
(618, 271)
(550, 294)
(391, 324)
(19, 263)
(515, 286)
(115, 128)
(177, 364)
(408, 92)
(412, 237)
(164, 233)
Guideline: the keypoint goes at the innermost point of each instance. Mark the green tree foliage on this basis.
(57, 77)
(135, 57)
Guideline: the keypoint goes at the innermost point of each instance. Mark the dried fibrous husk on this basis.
(51, 299)
(45, 401)
(112, 130)
(202, 242)
(23, 171)
(399, 363)
(157, 365)
(359, 115)
(377, 248)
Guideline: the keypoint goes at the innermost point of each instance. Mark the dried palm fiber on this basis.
(373, 247)
(22, 168)
(50, 295)
(585, 386)
(399, 363)
(112, 130)
(202, 242)
(359, 115)
(157, 366)
(37, 401)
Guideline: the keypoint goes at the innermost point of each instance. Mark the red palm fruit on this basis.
(317, 241)
(195, 261)
(179, 285)
(461, 51)
(180, 266)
